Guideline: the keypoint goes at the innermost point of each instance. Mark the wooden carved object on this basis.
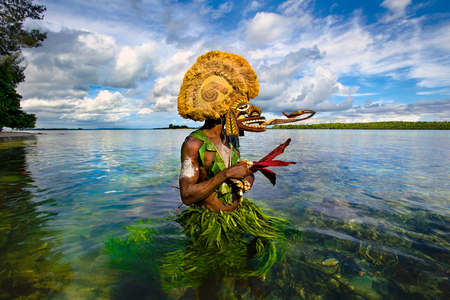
(292, 117)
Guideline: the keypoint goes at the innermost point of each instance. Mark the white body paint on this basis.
(187, 169)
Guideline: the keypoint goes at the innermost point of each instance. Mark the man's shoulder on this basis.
(192, 144)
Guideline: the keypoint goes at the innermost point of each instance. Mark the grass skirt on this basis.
(239, 244)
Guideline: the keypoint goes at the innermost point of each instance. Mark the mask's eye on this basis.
(243, 107)
(255, 111)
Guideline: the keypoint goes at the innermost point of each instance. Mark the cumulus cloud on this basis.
(60, 75)
(105, 101)
(302, 58)
(266, 28)
(164, 94)
(314, 92)
(69, 62)
(105, 107)
(410, 50)
(368, 103)
(289, 67)
(281, 87)
(134, 65)
(439, 109)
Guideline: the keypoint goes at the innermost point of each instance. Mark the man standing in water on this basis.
(217, 90)
(194, 185)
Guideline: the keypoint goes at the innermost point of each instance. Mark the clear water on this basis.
(373, 209)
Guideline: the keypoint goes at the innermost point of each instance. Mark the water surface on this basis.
(373, 209)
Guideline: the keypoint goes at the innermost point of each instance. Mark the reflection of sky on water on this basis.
(363, 164)
(350, 191)
(31, 261)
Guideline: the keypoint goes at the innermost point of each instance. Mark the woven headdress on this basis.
(210, 84)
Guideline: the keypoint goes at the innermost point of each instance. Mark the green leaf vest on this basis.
(224, 191)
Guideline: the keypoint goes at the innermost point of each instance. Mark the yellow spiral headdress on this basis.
(211, 82)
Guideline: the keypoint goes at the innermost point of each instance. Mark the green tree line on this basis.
(393, 125)
(171, 126)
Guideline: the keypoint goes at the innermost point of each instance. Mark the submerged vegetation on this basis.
(235, 245)
(394, 125)
(360, 260)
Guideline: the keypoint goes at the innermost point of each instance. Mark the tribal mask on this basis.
(242, 116)
(220, 84)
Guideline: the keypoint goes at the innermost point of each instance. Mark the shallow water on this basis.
(372, 207)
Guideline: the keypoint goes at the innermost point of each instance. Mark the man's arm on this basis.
(190, 190)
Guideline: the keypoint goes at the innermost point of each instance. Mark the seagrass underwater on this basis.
(364, 214)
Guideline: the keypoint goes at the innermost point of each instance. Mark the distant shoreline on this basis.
(16, 133)
(75, 129)
(392, 125)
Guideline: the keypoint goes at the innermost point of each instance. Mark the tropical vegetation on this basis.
(394, 125)
(13, 37)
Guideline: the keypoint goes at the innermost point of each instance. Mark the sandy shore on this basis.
(16, 133)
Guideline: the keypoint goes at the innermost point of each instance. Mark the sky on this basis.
(120, 63)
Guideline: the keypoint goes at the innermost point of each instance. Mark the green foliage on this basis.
(137, 253)
(171, 126)
(239, 244)
(10, 113)
(395, 125)
(13, 38)
(12, 65)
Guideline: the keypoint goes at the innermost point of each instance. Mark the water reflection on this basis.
(369, 214)
(31, 265)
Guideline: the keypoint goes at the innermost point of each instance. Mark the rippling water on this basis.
(373, 209)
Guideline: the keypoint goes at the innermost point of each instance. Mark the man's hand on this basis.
(238, 171)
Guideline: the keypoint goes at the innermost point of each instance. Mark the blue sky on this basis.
(120, 63)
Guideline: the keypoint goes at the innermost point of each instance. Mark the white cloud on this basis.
(67, 65)
(266, 28)
(105, 107)
(432, 75)
(436, 92)
(223, 9)
(255, 5)
(164, 94)
(333, 6)
(309, 92)
(167, 37)
(294, 7)
(397, 9)
(145, 111)
(133, 65)
(166, 103)
(396, 112)
(105, 101)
